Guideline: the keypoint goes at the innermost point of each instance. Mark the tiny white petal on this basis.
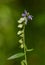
(22, 46)
(21, 35)
(20, 41)
(31, 18)
(20, 26)
(26, 21)
(21, 20)
(20, 32)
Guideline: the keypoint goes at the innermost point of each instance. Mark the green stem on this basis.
(25, 48)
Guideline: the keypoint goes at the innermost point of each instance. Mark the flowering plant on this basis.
(22, 22)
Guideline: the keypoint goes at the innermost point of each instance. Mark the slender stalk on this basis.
(25, 48)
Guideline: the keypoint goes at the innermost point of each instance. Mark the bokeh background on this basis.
(10, 12)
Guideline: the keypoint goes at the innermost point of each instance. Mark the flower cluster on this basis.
(27, 16)
(21, 32)
(22, 22)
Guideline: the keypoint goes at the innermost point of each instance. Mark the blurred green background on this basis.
(10, 12)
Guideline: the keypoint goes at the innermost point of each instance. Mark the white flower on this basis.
(21, 41)
(20, 32)
(22, 46)
(20, 26)
(21, 20)
(21, 35)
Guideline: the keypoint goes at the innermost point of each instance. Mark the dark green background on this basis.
(10, 12)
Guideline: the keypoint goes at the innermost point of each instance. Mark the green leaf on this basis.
(30, 49)
(18, 55)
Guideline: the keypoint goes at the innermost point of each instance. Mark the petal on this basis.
(25, 12)
(21, 20)
(19, 32)
(20, 25)
(23, 15)
(22, 46)
(30, 17)
(21, 35)
(21, 41)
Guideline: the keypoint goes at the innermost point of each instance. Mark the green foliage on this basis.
(18, 55)
(30, 50)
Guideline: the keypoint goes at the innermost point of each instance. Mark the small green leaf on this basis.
(18, 55)
(30, 49)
